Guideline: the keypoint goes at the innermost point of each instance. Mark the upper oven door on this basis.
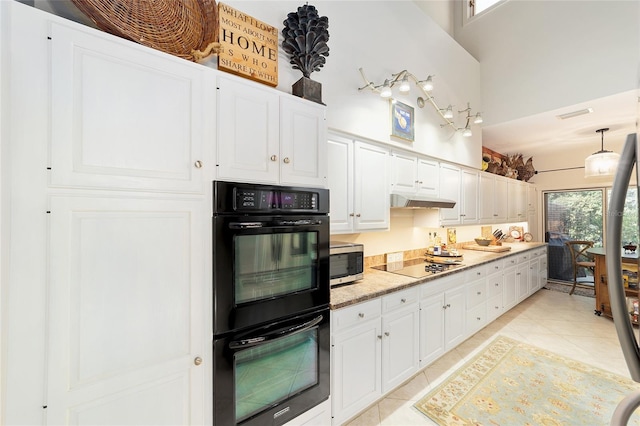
(268, 267)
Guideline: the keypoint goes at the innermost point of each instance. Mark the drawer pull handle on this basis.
(478, 318)
(361, 315)
(479, 293)
(479, 273)
(198, 164)
(386, 333)
(403, 300)
(497, 285)
(380, 336)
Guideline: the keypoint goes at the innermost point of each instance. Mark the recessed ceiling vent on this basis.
(575, 113)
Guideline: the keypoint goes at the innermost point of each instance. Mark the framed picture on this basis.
(402, 121)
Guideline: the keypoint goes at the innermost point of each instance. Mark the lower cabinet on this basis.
(442, 317)
(320, 415)
(374, 349)
(379, 344)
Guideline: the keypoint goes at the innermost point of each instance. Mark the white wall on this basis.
(540, 55)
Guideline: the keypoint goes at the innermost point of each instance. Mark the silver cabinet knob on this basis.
(274, 158)
(198, 164)
(358, 215)
(351, 214)
(286, 160)
(403, 300)
(361, 315)
(197, 360)
(386, 333)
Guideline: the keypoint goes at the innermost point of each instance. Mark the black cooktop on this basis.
(417, 268)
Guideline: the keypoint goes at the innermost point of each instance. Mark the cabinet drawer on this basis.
(494, 267)
(399, 299)
(494, 285)
(475, 274)
(510, 261)
(476, 318)
(524, 257)
(357, 314)
(476, 294)
(494, 307)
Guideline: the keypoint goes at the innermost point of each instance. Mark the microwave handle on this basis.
(255, 341)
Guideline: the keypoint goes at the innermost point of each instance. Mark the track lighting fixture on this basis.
(402, 80)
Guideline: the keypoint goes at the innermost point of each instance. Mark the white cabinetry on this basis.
(495, 290)
(414, 175)
(109, 163)
(523, 276)
(373, 354)
(509, 297)
(358, 184)
(356, 359)
(469, 197)
(269, 137)
(517, 195)
(450, 188)
(476, 299)
(460, 185)
(320, 415)
(493, 199)
(125, 117)
(442, 317)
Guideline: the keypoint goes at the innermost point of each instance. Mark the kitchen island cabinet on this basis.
(603, 302)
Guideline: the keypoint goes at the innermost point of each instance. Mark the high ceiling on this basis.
(545, 133)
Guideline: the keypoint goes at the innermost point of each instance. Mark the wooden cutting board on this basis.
(493, 249)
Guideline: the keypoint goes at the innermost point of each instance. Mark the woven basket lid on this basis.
(178, 27)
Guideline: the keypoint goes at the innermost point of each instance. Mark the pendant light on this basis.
(601, 163)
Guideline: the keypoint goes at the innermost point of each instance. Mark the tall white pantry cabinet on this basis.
(108, 151)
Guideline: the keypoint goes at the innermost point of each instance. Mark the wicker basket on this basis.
(185, 28)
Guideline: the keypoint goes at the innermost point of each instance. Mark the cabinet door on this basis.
(400, 341)
(450, 189)
(340, 153)
(371, 188)
(127, 304)
(517, 200)
(469, 208)
(356, 366)
(303, 143)
(125, 118)
(248, 132)
(522, 281)
(487, 198)
(501, 200)
(509, 288)
(404, 172)
(432, 311)
(534, 276)
(454, 318)
(428, 177)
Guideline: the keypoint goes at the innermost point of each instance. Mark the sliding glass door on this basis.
(571, 215)
(581, 215)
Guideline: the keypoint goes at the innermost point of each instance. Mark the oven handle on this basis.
(255, 341)
(276, 223)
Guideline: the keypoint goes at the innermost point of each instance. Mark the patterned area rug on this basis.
(566, 288)
(512, 383)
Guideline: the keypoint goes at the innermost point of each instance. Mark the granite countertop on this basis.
(378, 283)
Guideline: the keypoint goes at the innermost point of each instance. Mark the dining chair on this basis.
(581, 259)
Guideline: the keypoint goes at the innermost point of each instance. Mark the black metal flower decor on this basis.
(305, 41)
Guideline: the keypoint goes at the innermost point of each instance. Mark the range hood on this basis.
(414, 201)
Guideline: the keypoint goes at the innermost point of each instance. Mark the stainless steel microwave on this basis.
(346, 262)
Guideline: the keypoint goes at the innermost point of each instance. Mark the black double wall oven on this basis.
(271, 302)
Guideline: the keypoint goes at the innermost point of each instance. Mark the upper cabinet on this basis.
(517, 195)
(414, 175)
(268, 137)
(492, 201)
(460, 185)
(123, 117)
(359, 186)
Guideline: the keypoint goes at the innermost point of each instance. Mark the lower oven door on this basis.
(271, 374)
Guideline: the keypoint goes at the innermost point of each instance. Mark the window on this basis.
(478, 6)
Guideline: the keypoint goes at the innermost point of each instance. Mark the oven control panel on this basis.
(257, 199)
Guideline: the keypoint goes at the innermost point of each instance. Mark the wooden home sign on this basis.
(249, 47)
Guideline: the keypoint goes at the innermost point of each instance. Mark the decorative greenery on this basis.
(305, 39)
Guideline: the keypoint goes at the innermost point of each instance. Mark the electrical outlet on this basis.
(394, 257)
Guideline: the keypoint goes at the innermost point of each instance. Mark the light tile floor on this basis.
(548, 319)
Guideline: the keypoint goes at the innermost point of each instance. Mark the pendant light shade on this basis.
(601, 163)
